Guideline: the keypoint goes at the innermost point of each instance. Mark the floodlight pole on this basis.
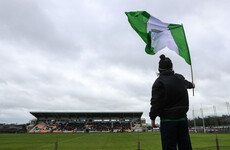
(194, 120)
(227, 104)
(214, 110)
(202, 114)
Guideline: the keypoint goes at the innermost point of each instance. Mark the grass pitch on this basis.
(103, 141)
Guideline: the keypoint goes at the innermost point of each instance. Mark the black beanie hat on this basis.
(165, 63)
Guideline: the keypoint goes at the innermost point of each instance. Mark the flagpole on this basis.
(192, 78)
(190, 59)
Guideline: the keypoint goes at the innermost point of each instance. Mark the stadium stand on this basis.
(79, 122)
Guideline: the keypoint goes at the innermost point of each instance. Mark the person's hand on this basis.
(193, 84)
(153, 124)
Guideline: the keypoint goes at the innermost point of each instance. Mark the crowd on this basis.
(84, 126)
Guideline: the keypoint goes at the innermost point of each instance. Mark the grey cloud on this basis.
(25, 23)
(84, 56)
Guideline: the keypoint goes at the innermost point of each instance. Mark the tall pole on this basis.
(202, 115)
(214, 110)
(227, 104)
(193, 113)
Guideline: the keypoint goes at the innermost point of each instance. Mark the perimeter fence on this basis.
(210, 118)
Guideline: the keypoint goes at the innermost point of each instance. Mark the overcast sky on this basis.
(84, 56)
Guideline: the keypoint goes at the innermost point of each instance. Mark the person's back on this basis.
(170, 102)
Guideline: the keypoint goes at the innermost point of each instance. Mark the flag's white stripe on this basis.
(162, 37)
(154, 23)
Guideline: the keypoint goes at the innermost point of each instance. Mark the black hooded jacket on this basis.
(169, 96)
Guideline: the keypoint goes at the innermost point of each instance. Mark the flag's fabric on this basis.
(158, 35)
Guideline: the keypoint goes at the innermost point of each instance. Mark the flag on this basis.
(158, 35)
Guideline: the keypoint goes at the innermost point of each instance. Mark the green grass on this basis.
(103, 141)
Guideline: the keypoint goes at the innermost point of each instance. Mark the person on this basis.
(170, 102)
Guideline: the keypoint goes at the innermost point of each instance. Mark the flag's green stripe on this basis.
(138, 20)
(149, 49)
(178, 34)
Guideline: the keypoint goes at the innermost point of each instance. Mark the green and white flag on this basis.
(158, 35)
